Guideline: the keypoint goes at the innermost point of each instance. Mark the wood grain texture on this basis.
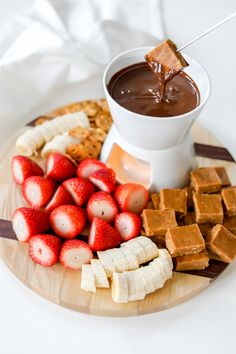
(63, 286)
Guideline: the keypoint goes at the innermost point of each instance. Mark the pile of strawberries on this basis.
(66, 199)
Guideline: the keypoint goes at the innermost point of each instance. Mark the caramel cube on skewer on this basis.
(222, 242)
(206, 180)
(184, 240)
(192, 261)
(174, 199)
(156, 222)
(165, 60)
(208, 208)
(229, 199)
(225, 181)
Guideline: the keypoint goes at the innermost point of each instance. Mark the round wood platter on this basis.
(62, 286)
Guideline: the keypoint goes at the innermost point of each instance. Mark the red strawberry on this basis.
(74, 253)
(23, 167)
(88, 166)
(44, 249)
(104, 179)
(59, 167)
(128, 225)
(27, 222)
(102, 205)
(60, 197)
(80, 189)
(38, 191)
(102, 236)
(68, 221)
(131, 197)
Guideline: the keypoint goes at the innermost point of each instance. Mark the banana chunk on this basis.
(101, 280)
(138, 250)
(88, 278)
(34, 138)
(107, 263)
(59, 143)
(130, 258)
(148, 277)
(164, 266)
(119, 288)
(136, 290)
(158, 275)
(118, 259)
(163, 253)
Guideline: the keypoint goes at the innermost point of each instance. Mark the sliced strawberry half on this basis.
(102, 236)
(27, 222)
(128, 225)
(59, 167)
(23, 167)
(104, 179)
(44, 249)
(60, 197)
(74, 253)
(88, 166)
(102, 205)
(80, 189)
(68, 221)
(131, 197)
(38, 191)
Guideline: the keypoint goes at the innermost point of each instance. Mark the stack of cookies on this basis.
(196, 221)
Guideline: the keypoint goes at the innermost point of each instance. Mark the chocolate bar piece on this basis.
(229, 199)
(205, 180)
(165, 61)
(208, 208)
(156, 200)
(184, 240)
(174, 199)
(225, 181)
(230, 223)
(156, 222)
(222, 242)
(192, 261)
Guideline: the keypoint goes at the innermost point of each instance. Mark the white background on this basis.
(205, 324)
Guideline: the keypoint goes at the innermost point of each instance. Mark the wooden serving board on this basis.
(63, 286)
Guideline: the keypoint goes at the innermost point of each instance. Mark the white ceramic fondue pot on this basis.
(156, 152)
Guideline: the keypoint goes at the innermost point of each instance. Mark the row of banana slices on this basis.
(129, 282)
(53, 134)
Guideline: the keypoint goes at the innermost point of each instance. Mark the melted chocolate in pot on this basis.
(137, 89)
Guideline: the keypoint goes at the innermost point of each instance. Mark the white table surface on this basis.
(205, 324)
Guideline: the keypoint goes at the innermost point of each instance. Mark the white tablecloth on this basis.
(205, 324)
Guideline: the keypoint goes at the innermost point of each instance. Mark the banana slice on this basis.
(135, 289)
(28, 143)
(107, 263)
(158, 275)
(150, 247)
(88, 278)
(130, 258)
(148, 277)
(101, 280)
(164, 266)
(119, 288)
(118, 259)
(59, 143)
(138, 250)
(163, 253)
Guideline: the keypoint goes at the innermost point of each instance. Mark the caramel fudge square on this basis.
(222, 242)
(156, 222)
(205, 180)
(225, 181)
(229, 199)
(208, 208)
(174, 199)
(192, 261)
(156, 200)
(184, 240)
(189, 190)
(230, 223)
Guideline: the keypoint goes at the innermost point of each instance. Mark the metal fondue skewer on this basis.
(230, 17)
